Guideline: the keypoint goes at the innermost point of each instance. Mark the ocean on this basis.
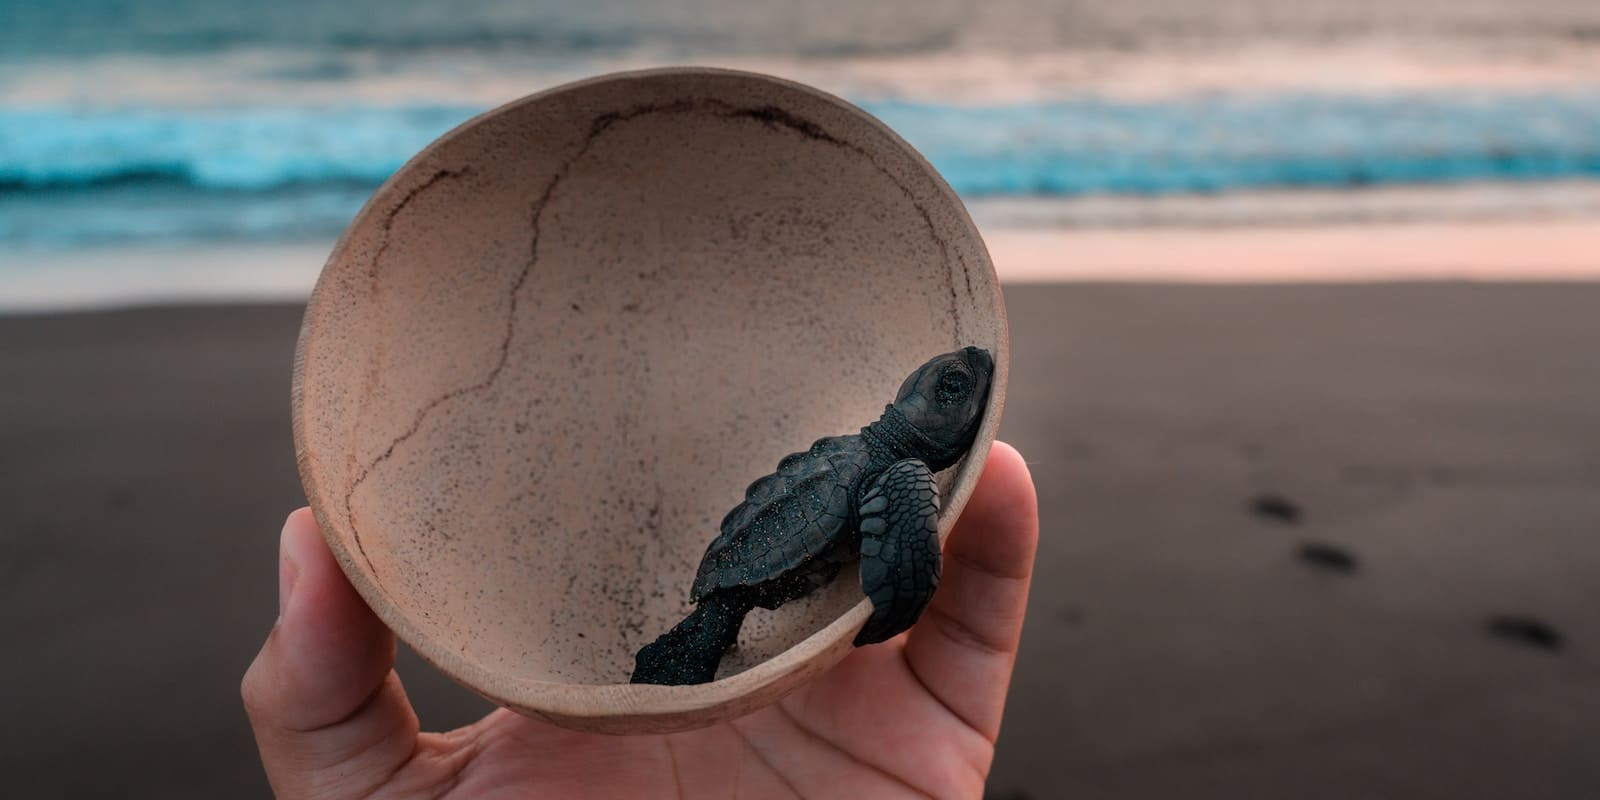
(177, 122)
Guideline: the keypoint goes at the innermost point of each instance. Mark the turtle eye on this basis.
(954, 386)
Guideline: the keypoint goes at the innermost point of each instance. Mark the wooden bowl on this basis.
(553, 349)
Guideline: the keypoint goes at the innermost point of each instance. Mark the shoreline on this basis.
(1513, 251)
(1494, 250)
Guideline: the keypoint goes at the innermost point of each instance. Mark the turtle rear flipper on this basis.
(900, 558)
(690, 652)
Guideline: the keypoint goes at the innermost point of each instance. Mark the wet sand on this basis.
(1331, 541)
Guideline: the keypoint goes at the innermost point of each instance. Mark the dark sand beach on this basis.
(1299, 541)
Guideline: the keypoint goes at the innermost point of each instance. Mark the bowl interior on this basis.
(555, 347)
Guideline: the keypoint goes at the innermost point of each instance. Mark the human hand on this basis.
(915, 716)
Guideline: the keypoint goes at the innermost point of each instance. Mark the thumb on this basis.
(329, 715)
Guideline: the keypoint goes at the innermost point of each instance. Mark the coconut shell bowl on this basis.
(552, 351)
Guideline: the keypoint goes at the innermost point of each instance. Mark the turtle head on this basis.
(944, 400)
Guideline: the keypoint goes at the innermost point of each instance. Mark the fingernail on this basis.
(288, 570)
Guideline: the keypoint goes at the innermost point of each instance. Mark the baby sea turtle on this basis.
(870, 495)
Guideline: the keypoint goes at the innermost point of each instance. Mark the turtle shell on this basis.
(788, 519)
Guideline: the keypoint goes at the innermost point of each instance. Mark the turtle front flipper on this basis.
(899, 548)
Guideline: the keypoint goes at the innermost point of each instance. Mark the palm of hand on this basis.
(916, 716)
(823, 740)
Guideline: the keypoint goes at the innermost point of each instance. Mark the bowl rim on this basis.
(638, 708)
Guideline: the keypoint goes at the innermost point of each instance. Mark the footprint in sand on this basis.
(1329, 557)
(1526, 631)
(1277, 508)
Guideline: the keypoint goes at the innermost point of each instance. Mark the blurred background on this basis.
(1303, 319)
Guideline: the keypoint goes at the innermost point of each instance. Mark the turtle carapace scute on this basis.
(869, 497)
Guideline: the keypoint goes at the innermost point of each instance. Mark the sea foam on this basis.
(1176, 145)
